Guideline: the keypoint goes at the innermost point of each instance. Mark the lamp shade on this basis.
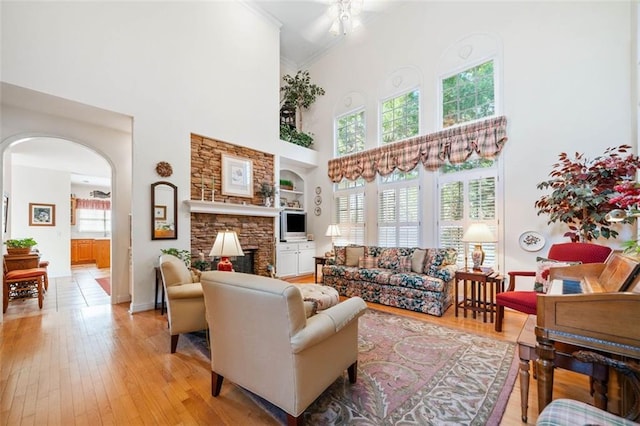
(479, 233)
(333, 230)
(226, 244)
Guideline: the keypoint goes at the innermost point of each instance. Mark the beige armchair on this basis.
(185, 301)
(262, 341)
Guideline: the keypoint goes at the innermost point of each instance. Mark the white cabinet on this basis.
(295, 258)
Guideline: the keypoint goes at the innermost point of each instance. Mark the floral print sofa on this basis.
(416, 279)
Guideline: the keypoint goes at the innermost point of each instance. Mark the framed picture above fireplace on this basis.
(237, 176)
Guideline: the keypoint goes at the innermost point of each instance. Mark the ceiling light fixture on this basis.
(343, 13)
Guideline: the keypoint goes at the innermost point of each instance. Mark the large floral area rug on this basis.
(412, 372)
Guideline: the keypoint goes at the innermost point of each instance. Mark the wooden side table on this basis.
(479, 289)
(320, 260)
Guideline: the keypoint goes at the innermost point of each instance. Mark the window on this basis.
(398, 196)
(398, 215)
(468, 196)
(350, 133)
(400, 117)
(350, 214)
(468, 95)
(90, 220)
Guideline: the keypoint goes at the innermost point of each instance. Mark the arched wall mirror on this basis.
(164, 211)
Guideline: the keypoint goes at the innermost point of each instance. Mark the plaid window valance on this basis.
(83, 203)
(486, 138)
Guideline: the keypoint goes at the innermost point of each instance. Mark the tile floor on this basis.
(76, 291)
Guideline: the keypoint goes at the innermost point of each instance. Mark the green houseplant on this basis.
(582, 189)
(184, 255)
(298, 93)
(20, 246)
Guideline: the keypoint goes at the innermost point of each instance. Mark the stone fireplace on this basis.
(254, 225)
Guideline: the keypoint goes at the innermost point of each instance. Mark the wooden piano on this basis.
(602, 313)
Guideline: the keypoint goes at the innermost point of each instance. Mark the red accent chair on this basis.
(525, 301)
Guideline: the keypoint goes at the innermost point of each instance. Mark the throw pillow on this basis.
(388, 258)
(367, 262)
(404, 264)
(341, 255)
(417, 260)
(541, 284)
(353, 254)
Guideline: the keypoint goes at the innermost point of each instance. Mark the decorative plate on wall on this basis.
(318, 200)
(318, 190)
(531, 241)
(318, 211)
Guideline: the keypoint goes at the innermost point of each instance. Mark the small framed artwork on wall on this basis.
(42, 214)
(237, 176)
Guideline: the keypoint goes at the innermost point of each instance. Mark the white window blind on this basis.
(398, 216)
(467, 197)
(350, 217)
(89, 220)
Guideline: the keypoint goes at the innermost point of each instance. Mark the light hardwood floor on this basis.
(82, 361)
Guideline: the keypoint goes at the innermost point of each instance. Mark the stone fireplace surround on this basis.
(254, 231)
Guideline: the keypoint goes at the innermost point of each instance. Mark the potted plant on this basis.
(581, 191)
(298, 93)
(20, 246)
(267, 190)
(184, 255)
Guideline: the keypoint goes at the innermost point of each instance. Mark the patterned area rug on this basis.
(416, 373)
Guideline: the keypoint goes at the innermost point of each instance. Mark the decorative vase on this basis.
(267, 201)
(477, 257)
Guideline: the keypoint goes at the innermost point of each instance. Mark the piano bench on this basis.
(569, 411)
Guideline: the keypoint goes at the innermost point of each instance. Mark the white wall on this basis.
(42, 186)
(566, 85)
(175, 67)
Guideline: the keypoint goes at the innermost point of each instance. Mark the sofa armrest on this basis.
(327, 323)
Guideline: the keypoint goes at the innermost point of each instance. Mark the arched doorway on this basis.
(30, 115)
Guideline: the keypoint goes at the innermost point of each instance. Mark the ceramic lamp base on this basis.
(477, 257)
(225, 265)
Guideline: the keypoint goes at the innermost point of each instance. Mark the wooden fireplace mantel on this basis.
(213, 207)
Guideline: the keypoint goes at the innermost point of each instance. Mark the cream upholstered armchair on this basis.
(185, 301)
(262, 341)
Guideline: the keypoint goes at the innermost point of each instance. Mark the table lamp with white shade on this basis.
(333, 231)
(225, 245)
(478, 233)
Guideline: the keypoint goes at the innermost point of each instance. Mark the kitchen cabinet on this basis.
(82, 251)
(102, 250)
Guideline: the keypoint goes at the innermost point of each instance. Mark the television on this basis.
(293, 226)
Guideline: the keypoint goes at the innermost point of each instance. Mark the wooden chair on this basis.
(21, 283)
(526, 301)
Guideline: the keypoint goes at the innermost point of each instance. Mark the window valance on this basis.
(88, 204)
(486, 138)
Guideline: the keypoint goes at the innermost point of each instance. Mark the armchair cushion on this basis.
(523, 301)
